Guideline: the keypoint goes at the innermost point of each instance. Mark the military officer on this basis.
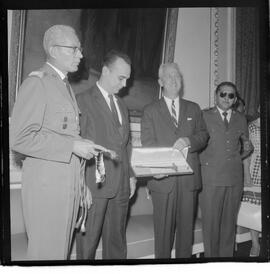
(45, 128)
(221, 168)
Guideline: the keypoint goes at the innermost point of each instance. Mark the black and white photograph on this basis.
(136, 135)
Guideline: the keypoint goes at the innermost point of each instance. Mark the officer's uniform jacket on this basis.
(221, 162)
(44, 125)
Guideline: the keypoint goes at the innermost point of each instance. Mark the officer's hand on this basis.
(86, 148)
(247, 145)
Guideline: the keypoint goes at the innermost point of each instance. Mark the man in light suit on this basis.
(174, 122)
(45, 128)
(105, 120)
(222, 172)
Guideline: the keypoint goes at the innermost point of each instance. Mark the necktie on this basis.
(226, 123)
(68, 86)
(174, 116)
(114, 111)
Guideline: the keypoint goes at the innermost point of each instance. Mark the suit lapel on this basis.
(102, 103)
(233, 119)
(104, 107)
(61, 86)
(218, 118)
(182, 112)
(124, 115)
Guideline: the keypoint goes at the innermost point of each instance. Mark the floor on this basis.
(19, 249)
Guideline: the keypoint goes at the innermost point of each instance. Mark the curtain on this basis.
(248, 57)
(137, 32)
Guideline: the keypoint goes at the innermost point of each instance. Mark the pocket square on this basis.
(189, 118)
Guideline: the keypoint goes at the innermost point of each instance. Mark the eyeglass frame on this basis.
(223, 94)
(75, 49)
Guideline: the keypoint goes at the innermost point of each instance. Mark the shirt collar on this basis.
(229, 111)
(169, 101)
(61, 74)
(103, 91)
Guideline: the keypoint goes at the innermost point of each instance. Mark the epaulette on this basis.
(37, 73)
(208, 108)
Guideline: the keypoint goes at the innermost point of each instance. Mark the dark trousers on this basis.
(106, 218)
(219, 207)
(173, 211)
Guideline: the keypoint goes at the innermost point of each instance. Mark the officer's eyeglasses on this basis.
(224, 94)
(75, 49)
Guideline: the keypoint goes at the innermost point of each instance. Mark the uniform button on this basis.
(228, 141)
(64, 126)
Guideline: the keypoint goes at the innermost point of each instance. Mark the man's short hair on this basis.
(163, 66)
(228, 84)
(113, 55)
(56, 34)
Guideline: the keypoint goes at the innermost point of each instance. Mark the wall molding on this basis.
(16, 54)
(214, 53)
(222, 45)
(231, 45)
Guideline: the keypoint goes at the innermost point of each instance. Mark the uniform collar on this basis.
(61, 74)
(229, 113)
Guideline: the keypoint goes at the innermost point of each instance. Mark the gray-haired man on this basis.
(45, 128)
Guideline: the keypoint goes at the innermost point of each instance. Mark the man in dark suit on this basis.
(104, 119)
(174, 122)
(221, 166)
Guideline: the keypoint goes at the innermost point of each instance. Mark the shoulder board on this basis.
(209, 108)
(37, 73)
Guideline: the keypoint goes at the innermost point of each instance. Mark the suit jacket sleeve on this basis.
(86, 123)
(129, 144)
(129, 150)
(198, 140)
(148, 137)
(27, 134)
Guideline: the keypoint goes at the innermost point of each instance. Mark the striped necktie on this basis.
(226, 123)
(174, 116)
(114, 111)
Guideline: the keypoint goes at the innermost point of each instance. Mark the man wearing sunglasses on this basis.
(221, 166)
(45, 128)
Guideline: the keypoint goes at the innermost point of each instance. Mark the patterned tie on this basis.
(226, 123)
(114, 111)
(174, 117)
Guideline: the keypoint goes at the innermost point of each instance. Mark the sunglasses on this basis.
(224, 94)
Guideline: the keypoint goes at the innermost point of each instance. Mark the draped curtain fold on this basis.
(248, 57)
(138, 32)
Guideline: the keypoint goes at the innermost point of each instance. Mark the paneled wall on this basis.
(204, 51)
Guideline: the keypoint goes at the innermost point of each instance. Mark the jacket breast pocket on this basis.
(188, 125)
(64, 117)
